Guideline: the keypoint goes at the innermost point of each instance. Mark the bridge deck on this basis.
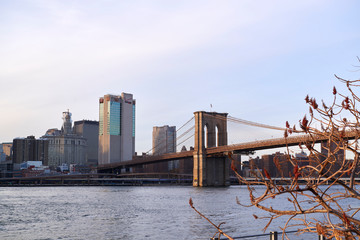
(249, 146)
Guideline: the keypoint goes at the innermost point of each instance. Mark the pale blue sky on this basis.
(254, 59)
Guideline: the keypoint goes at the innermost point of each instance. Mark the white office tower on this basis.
(116, 128)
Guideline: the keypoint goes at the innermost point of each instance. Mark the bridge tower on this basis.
(210, 131)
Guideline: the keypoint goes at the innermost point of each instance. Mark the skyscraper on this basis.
(164, 140)
(90, 131)
(116, 128)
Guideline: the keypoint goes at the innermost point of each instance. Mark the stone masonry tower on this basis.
(67, 123)
(210, 131)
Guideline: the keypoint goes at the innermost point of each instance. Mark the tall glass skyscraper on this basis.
(116, 128)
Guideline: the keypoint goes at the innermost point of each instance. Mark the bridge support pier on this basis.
(210, 170)
(199, 172)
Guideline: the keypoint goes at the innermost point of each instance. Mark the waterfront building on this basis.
(5, 151)
(116, 128)
(245, 169)
(6, 169)
(33, 168)
(30, 149)
(277, 164)
(90, 131)
(164, 141)
(2, 154)
(302, 159)
(6, 165)
(331, 151)
(30, 164)
(256, 167)
(238, 165)
(75, 168)
(185, 166)
(65, 147)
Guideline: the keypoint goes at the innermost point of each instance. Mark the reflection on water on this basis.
(160, 212)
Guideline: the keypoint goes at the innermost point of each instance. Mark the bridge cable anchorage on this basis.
(163, 143)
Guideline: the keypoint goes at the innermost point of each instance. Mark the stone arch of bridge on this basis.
(210, 131)
(206, 124)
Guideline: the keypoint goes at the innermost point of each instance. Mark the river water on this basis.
(149, 212)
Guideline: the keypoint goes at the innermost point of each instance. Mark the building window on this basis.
(113, 127)
(101, 118)
(133, 120)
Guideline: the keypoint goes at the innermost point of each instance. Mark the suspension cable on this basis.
(250, 123)
(185, 124)
(185, 140)
(186, 132)
(255, 124)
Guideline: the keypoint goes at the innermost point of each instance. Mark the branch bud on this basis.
(191, 202)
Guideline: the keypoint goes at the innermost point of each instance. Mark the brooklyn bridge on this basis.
(209, 155)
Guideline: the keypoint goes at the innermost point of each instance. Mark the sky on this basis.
(253, 59)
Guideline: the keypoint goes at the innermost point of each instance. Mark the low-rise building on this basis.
(75, 168)
(6, 169)
(33, 168)
(2, 154)
(6, 148)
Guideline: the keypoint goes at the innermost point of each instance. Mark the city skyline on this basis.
(255, 60)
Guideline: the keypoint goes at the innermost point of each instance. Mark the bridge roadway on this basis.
(242, 147)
